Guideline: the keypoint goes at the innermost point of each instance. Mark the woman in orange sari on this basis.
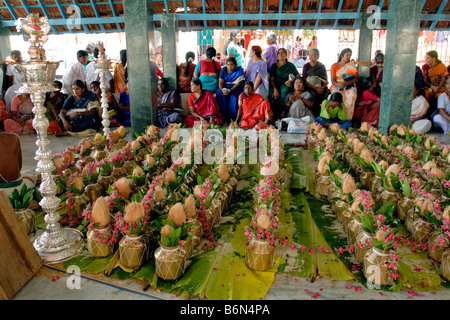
(344, 76)
(253, 109)
(435, 73)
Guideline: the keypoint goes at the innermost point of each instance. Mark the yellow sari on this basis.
(350, 94)
(435, 76)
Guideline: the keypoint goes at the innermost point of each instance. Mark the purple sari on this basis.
(255, 68)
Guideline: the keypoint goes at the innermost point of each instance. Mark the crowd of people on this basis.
(255, 88)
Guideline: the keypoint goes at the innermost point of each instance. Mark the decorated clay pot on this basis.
(421, 230)
(445, 265)
(132, 249)
(97, 242)
(434, 249)
(363, 243)
(354, 227)
(404, 207)
(259, 255)
(376, 267)
(170, 262)
(365, 179)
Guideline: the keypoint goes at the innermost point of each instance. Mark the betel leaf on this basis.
(368, 223)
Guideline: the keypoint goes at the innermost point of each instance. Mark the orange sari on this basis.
(254, 109)
(435, 76)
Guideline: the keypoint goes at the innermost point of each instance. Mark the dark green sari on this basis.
(281, 75)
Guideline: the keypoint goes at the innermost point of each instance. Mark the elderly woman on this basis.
(442, 118)
(299, 103)
(344, 76)
(271, 52)
(316, 77)
(334, 111)
(231, 78)
(253, 109)
(202, 106)
(256, 71)
(280, 84)
(21, 116)
(79, 111)
(185, 73)
(207, 70)
(435, 73)
(233, 48)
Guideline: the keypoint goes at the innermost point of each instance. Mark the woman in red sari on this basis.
(435, 73)
(203, 106)
(253, 109)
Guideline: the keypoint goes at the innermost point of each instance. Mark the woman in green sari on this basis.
(280, 82)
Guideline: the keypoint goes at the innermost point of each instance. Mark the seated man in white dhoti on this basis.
(442, 118)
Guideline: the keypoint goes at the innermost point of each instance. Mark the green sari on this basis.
(281, 75)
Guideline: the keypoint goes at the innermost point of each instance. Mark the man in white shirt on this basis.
(442, 118)
(75, 72)
(13, 76)
(93, 75)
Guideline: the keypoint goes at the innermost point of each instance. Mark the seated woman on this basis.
(334, 111)
(368, 106)
(54, 102)
(79, 113)
(123, 115)
(207, 70)
(435, 73)
(299, 103)
(344, 76)
(231, 78)
(114, 110)
(442, 119)
(168, 102)
(202, 105)
(253, 109)
(21, 117)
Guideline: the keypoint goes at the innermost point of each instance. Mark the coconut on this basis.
(409, 150)
(323, 164)
(68, 157)
(334, 127)
(401, 130)
(445, 214)
(121, 131)
(86, 145)
(78, 183)
(58, 163)
(424, 204)
(166, 230)
(197, 190)
(223, 172)
(364, 127)
(85, 172)
(169, 176)
(379, 235)
(134, 211)
(383, 164)
(444, 151)
(338, 172)
(322, 134)
(358, 146)
(149, 160)
(366, 155)
(393, 168)
(348, 183)
(264, 211)
(98, 137)
(428, 143)
(152, 130)
(189, 207)
(123, 187)
(137, 172)
(135, 144)
(115, 135)
(100, 213)
(159, 193)
(438, 172)
(392, 128)
(263, 221)
(177, 214)
(429, 165)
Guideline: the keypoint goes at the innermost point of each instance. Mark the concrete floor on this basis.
(50, 283)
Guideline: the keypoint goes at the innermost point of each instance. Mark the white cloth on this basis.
(93, 75)
(11, 71)
(422, 126)
(75, 72)
(440, 121)
(419, 107)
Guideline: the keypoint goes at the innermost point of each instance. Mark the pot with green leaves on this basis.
(20, 200)
(90, 175)
(170, 257)
(105, 178)
(99, 148)
(85, 152)
(79, 201)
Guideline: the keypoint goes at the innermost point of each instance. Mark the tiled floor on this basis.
(50, 283)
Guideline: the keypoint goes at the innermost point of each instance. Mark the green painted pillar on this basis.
(365, 44)
(403, 25)
(5, 44)
(169, 47)
(139, 35)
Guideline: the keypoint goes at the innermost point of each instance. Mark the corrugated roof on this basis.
(91, 16)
